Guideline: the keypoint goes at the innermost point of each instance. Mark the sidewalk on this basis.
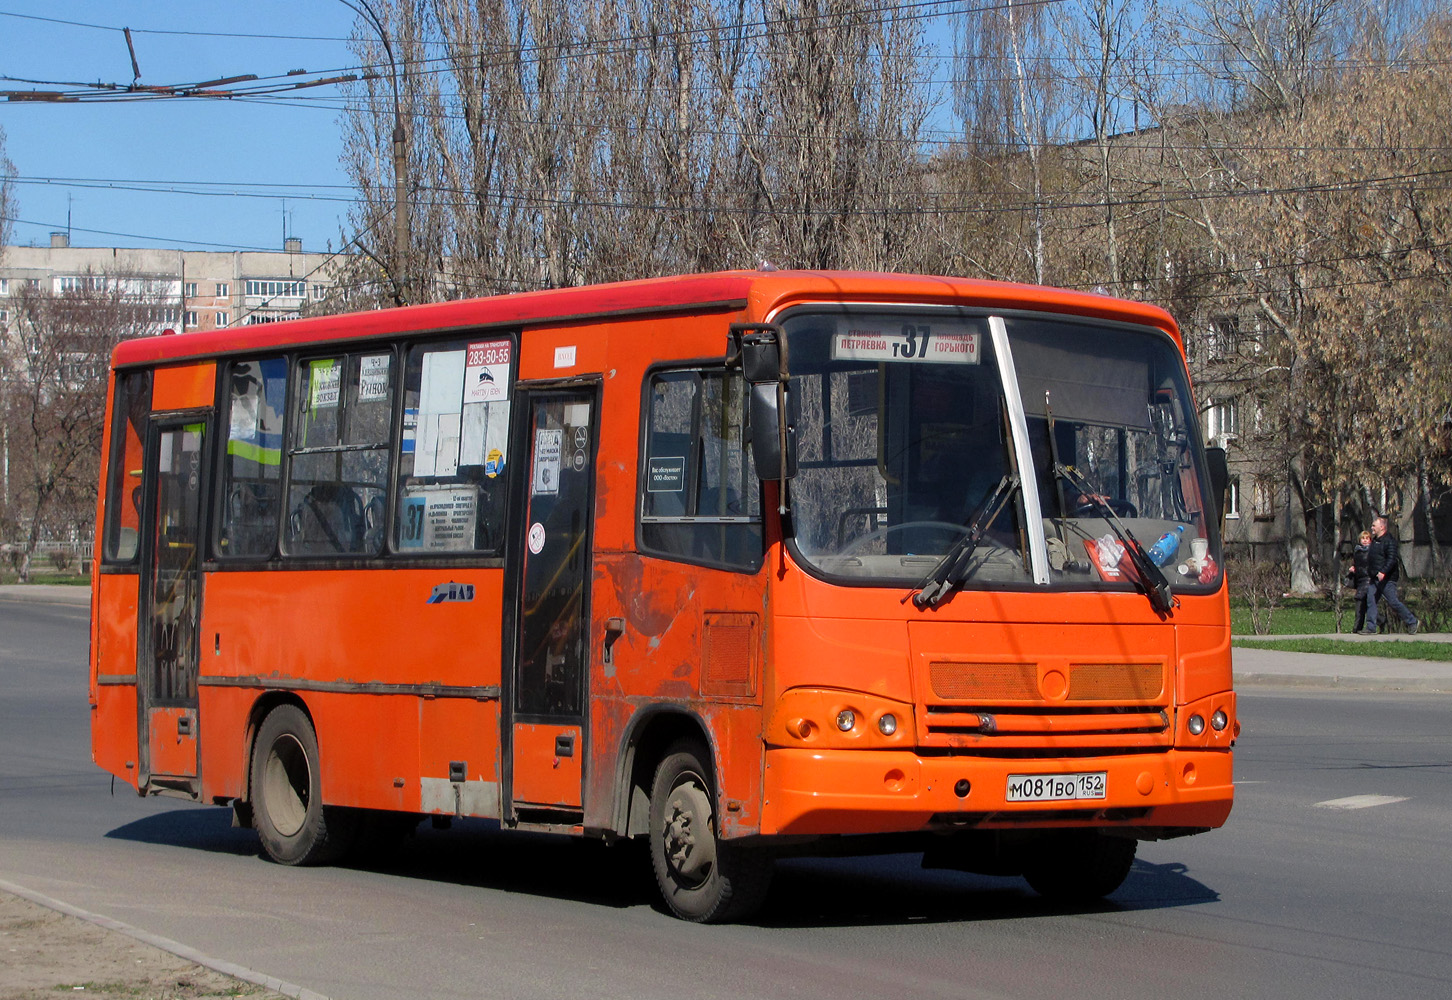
(46, 593)
(1253, 667)
(1271, 667)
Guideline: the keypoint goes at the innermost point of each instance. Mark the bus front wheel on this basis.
(701, 877)
(287, 808)
(1078, 866)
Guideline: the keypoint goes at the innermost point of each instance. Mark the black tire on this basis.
(701, 878)
(1078, 866)
(287, 806)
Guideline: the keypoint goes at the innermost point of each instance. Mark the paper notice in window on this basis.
(373, 378)
(325, 377)
(547, 446)
(486, 372)
(441, 388)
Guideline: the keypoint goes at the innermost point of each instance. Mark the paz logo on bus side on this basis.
(452, 592)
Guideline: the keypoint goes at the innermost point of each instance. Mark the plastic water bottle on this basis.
(1163, 551)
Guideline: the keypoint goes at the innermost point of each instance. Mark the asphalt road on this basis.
(1300, 896)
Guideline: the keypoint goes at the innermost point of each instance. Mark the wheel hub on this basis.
(690, 843)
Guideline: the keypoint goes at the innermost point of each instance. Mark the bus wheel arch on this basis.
(652, 733)
(284, 791)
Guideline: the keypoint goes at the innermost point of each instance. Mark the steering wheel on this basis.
(1121, 508)
(863, 541)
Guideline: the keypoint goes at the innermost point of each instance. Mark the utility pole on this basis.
(400, 157)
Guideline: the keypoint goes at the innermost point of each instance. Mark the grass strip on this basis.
(1393, 650)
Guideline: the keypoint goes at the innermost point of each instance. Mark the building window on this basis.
(255, 318)
(320, 292)
(276, 288)
(189, 289)
(1222, 420)
(1224, 339)
(190, 319)
(223, 290)
(1264, 501)
(4, 286)
(1232, 498)
(223, 319)
(4, 317)
(79, 283)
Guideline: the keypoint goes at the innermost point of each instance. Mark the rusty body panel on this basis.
(411, 700)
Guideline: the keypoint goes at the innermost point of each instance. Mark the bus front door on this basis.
(170, 606)
(547, 729)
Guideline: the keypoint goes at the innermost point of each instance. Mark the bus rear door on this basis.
(170, 602)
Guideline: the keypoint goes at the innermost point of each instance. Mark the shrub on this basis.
(1260, 587)
(1431, 602)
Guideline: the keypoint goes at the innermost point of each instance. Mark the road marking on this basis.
(1360, 801)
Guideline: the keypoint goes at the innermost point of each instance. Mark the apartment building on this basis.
(210, 289)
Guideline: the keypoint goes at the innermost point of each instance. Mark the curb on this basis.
(1420, 685)
(166, 944)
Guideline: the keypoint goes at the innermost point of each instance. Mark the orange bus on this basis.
(738, 564)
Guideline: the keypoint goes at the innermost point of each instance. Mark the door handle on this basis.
(614, 629)
(184, 725)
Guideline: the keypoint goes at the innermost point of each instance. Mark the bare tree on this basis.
(7, 195)
(53, 368)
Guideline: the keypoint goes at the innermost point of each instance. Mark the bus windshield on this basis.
(910, 449)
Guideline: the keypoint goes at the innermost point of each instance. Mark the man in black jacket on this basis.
(1384, 564)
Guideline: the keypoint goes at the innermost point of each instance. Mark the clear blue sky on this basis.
(232, 169)
(291, 143)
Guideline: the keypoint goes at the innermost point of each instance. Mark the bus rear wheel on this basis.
(1078, 866)
(701, 878)
(287, 808)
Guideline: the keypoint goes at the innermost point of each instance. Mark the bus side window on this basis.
(123, 473)
(700, 498)
(338, 455)
(450, 482)
(252, 465)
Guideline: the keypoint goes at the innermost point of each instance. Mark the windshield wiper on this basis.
(950, 569)
(1156, 587)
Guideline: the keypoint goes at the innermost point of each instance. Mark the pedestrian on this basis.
(1384, 565)
(1360, 575)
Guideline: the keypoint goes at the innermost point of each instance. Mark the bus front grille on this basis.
(1110, 705)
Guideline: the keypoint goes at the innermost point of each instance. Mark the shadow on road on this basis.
(807, 892)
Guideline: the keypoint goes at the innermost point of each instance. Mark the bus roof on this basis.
(762, 291)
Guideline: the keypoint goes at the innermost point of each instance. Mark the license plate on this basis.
(1056, 787)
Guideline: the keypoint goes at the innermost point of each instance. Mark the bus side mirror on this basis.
(1219, 480)
(760, 358)
(769, 428)
(759, 349)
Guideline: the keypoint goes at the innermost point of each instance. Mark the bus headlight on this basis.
(1196, 725)
(1219, 721)
(829, 718)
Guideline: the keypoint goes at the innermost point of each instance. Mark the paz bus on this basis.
(736, 564)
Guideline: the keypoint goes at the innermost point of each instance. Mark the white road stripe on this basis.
(1360, 801)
